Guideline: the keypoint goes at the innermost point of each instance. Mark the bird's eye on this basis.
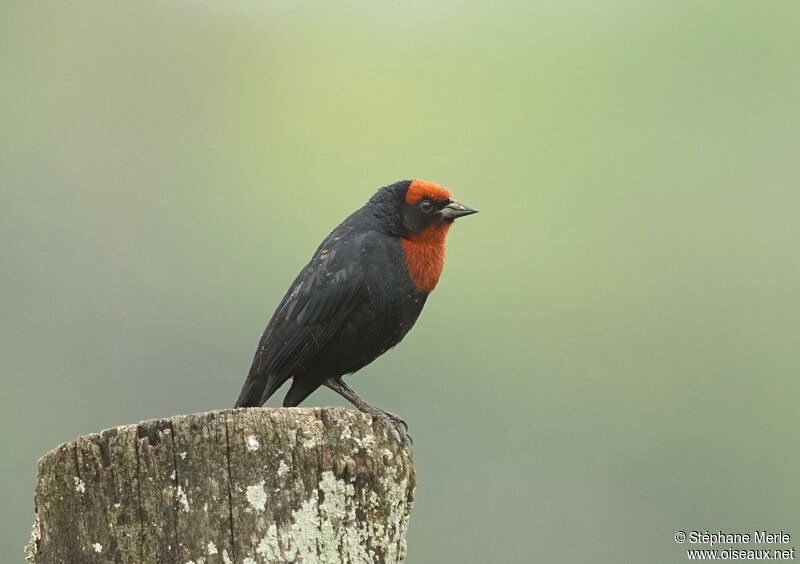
(426, 206)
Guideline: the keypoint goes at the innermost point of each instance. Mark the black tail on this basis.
(254, 393)
(249, 395)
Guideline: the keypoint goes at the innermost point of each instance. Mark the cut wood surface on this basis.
(237, 486)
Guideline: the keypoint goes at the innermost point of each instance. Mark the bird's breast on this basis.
(424, 253)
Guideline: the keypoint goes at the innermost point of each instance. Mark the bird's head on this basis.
(428, 205)
(420, 213)
(410, 208)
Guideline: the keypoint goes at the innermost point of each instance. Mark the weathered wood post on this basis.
(238, 486)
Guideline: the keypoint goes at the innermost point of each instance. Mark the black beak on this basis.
(456, 209)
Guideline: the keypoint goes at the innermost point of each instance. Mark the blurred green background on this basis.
(620, 322)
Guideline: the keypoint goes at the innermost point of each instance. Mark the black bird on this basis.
(359, 295)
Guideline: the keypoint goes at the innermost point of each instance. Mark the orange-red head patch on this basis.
(418, 189)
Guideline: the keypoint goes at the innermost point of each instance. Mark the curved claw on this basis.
(397, 419)
(403, 431)
(397, 428)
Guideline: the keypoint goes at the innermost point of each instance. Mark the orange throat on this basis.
(424, 254)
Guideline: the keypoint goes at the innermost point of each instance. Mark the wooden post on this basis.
(239, 486)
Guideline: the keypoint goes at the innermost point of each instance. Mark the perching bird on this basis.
(359, 295)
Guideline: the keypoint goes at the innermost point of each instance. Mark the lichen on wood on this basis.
(238, 486)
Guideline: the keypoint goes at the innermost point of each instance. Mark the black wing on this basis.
(316, 306)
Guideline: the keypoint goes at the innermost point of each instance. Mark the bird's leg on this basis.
(397, 427)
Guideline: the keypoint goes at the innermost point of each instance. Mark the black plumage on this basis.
(352, 302)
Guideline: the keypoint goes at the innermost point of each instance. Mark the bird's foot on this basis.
(397, 419)
(398, 429)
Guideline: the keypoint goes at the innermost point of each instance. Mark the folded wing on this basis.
(313, 310)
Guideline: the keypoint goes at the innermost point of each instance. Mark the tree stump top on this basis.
(245, 486)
